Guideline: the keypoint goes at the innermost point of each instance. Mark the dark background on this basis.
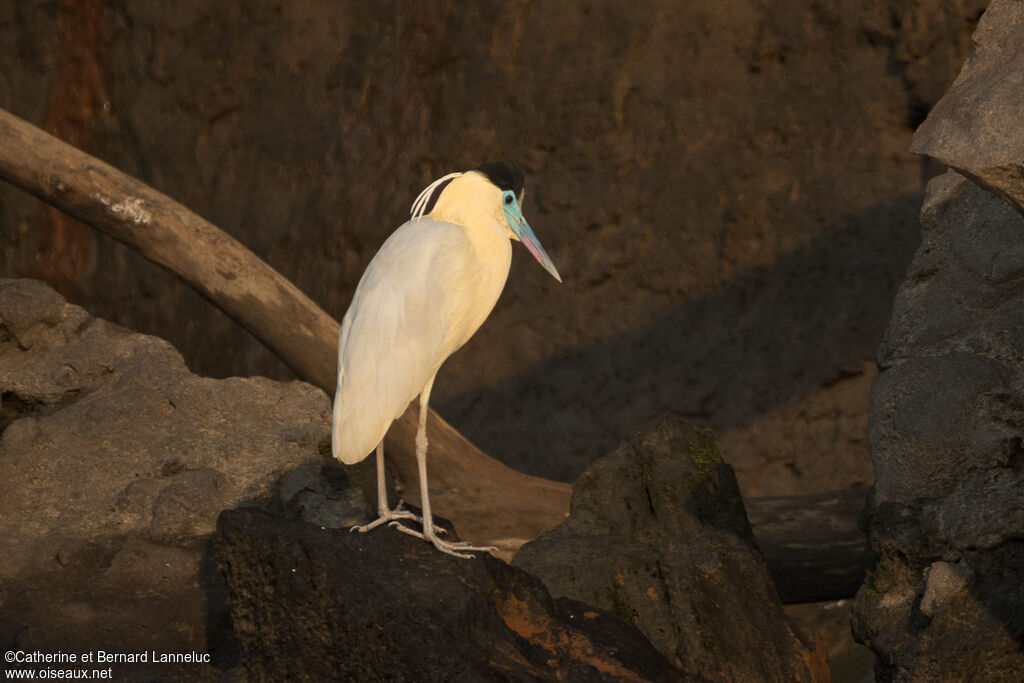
(723, 184)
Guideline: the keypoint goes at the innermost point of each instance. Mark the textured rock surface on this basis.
(945, 598)
(115, 461)
(720, 182)
(975, 127)
(658, 535)
(311, 604)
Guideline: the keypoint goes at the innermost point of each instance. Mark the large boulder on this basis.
(313, 604)
(944, 599)
(115, 461)
(975, 127)
(657, 534)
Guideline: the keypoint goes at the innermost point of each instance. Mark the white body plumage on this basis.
(429, 288)
(424, 294)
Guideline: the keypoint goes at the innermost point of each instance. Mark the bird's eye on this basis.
(508, 199)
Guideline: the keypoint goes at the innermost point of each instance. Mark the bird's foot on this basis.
(450, 547)
(389, 516)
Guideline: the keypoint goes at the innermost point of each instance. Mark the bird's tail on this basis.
(354, 435)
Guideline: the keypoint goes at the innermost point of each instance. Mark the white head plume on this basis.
(424, 198)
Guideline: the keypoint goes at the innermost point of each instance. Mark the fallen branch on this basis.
(811, 543)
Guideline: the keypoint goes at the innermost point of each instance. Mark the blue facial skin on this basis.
(516, 221)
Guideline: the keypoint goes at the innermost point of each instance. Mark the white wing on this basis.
(397, 331)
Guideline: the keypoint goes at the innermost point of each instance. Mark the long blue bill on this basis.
(521, 228)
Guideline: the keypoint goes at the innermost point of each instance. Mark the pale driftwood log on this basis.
(811, 543)
(488, 502)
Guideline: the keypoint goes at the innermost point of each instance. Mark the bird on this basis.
(425, 292)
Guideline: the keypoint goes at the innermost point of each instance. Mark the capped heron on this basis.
(429, 288)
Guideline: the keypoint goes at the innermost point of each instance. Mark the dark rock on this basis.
(949, 405)
(115, 461)
(958, 522)
(324, 494)
(948, 620)
(310, 604)
(959, 293)
(975, 127)
(657, 534)
(944, 599)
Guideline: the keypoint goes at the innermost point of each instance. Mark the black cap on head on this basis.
(504, 175)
